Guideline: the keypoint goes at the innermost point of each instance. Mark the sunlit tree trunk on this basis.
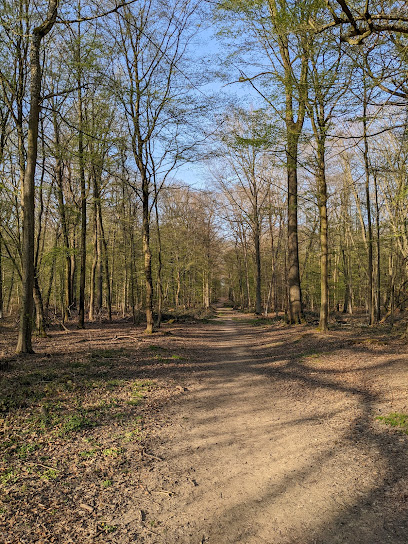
(24, 344)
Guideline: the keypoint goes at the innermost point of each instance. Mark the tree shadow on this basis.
(372, 511)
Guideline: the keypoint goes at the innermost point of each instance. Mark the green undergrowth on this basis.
(199, 315)
(163, 356)
(261, 321)
(87, 406)
(397, 420)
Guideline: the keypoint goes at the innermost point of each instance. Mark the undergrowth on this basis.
(397, 420)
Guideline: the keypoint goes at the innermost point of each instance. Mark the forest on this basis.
(156, 156)
(203, 271)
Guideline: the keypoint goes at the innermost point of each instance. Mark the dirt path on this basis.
(266, 447)
(214, 433)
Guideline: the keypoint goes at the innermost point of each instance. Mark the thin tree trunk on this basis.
(132, 276)
(159, 265)
(248, 289)
(377, 217)
(347, 307)
(392, 286)
(1, 282)
(82, 271)
(39, 308)
(68, 298)
(147, 257)
(370, 276)
(258, 301)
(324, 269)
(10, 291)
(104, 254)
(94, 264)
(52, 273)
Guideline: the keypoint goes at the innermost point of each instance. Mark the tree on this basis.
(328, 82)
(24, 344)
(152, 42)
(359, 20)
(279, 29)
(246, 179)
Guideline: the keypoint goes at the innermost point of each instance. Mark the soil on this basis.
(234, 431)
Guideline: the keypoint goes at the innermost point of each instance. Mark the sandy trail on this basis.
(258, 451)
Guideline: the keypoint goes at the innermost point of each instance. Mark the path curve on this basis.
(257, 454)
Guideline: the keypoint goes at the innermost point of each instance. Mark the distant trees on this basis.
(245, 178)
(152, 42)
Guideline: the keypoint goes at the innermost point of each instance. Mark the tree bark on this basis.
(104, 255)
(370, 276)
(82, 271)
(159, 264)
(378, 291)
(293, 131)
(24, 344)
(68, 298)
(94, 264)
(324, 269)
(147, 256)
(1, 282)
(39, 308)
(295, 294)
(258, 301)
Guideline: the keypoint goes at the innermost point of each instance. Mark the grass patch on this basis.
(260, 322)
(139, 390)
(23, 450)
(113, 452)
(49, 474)
(9, 476)
(133, 436)
(399, 421)
(161, 359)
(87, 454)
(74, 423)
(153, 347)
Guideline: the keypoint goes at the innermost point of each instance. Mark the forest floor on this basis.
(233, 431)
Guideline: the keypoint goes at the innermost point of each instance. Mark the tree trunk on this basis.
(159, 266)
(1, 282)
(52, 273)
(295, 294)
(132, 276)
(10, 291)
(248, 289)
(39, 308)
(370, 277)
(324, 272)
(82, 271)
(24, 344)
(377, 217)
(104, 254)
(94, 264)
(147, 257)
(258, 302)
(347, 306)
(68, 298)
